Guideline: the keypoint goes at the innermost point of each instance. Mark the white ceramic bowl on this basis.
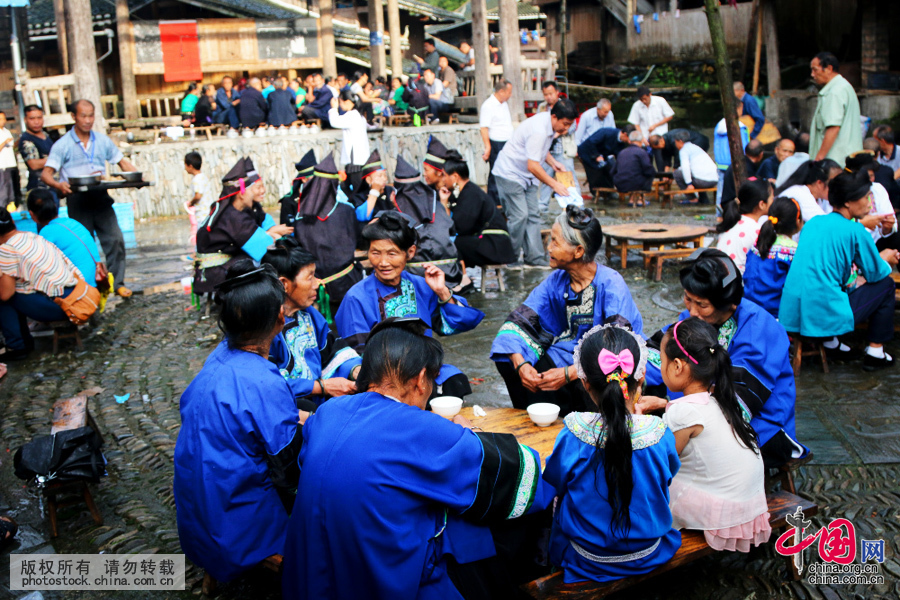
(543, 413)
(448, 406)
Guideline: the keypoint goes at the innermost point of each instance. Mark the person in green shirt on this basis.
(189, 102)
(396, 98)
(835, 131)
(822, 297)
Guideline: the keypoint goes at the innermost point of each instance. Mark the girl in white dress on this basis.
(720, 488)
(743, 218)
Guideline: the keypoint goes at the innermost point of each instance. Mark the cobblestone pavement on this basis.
(151, 346)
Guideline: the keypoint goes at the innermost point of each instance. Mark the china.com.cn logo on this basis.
(837, 549)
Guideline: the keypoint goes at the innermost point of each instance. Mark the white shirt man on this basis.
(651, 114)
(496, 128)
(518, 171)
(697, 166)
(593, 119)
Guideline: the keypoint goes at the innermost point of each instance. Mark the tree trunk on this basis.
(773, 65)
(83, 57)
(329, 61)
(726, 89)
(59, 9)
(483, 87)
(512, 69)
(126, 59)
(393, 10)
(376, 39)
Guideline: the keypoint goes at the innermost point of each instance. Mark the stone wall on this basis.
(274, 157)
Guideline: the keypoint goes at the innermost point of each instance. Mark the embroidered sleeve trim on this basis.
(527, 483)
(513, 329)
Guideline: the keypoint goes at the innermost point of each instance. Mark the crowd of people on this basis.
(278, 101)
(296, 433)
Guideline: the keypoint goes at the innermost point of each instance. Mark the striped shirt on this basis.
(37, 265)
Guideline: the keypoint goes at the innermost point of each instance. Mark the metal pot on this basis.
(84, 180)
(130, 176)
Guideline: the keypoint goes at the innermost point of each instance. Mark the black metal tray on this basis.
(111, 185)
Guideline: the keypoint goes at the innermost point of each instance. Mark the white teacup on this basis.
(447, 406)
(543, 413)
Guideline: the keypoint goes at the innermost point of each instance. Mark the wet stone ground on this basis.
(151, 346)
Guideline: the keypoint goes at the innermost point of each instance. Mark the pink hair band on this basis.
(680, 347)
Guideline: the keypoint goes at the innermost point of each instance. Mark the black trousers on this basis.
(94, 210)
(518, 543)
(874, 302)
(891, 242)
(496, 147)
(598, 178)
(571, 397)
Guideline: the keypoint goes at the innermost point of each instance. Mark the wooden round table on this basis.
(653, 237)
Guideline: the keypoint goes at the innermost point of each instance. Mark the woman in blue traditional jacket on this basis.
(305, 351)
(236, 454)
(757, 344)
(397, 502)
(533, 349)
(770, 258)
(822, 297)
(393, 292)
(236, 227)
(612, 469)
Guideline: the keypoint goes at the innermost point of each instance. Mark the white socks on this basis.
(878, 352)
(834, 342)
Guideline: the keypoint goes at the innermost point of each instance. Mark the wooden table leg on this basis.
(624, 247)
(659, 265)
(609, 248)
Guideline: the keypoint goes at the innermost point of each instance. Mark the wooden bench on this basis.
(666, 196)
(693, 547)
(658, 256)
(395, 120)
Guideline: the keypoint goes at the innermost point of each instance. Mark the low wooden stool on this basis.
(63, 330)
(659, 256)
(72, 489)
(497, 270)
(815, 348)
(453, 119)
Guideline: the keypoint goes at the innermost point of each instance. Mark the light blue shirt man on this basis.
(594, 119)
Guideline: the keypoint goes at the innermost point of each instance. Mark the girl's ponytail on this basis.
(783, 215)
(611, 360)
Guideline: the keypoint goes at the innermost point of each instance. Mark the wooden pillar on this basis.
(757, 55)
(751, 39)
(563, 47)
(59, 10)
(329, 66)
(393, 10)
(376, 39)
(83, 57)
(726, 90)
(512, 70)
(480, 40)
(125, 36)
(773, 64)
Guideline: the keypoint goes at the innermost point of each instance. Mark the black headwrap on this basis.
(414, 198)
(306, 165)
(373, 163)
(436, 154)
(320, 191)
(241, 176)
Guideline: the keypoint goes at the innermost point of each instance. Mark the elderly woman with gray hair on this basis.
(533, 349)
